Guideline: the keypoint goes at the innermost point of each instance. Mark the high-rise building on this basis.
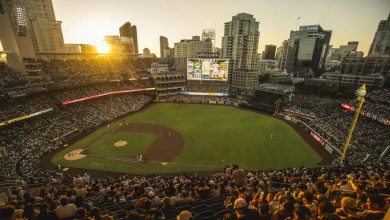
(307, 50)
(269, 52)
(36, 21)
(128, 34)
(333, 53)
(189, 48)
(164, 47)
(365, 66)
(264, 65)
(240, 44)
(114, 44)
(281, 55)
(347, 49)
(380, 46)
(209, 34)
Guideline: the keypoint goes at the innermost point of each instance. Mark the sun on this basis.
(102, 48)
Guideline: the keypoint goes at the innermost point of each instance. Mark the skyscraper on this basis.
(130, 32)
(240, 44)
(307, 50)
(380, 46)
(269, 52)
(345, 50)
(282, 54)
(164, 47)
(36, 20)
(189, 48)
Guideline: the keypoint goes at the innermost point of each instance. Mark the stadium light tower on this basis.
(360, 93)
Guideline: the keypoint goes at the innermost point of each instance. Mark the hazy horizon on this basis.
(349, 20)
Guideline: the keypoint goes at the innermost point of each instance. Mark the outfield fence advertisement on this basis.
(207, 69)
(318, 139)
(205, 93)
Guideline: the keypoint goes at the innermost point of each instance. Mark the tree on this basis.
(277, 104)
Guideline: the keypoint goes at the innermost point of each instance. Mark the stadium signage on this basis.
(107, 93)
(367, 114)
(25, 117)
(207, 55)
(328, 148)
(205, 93)
(317, 138)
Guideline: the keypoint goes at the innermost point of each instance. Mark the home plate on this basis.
(65, 169)
(164, 163)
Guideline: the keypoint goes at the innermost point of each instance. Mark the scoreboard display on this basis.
(207, 69)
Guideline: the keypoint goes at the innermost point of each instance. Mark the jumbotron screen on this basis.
(207, 69)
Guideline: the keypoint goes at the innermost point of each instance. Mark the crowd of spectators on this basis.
(92, 70)
(14, 108)
(25, 141)
(329, 192)
(379, 102)
(207, 86)
(59, 74)
(326, 116)
(10, 78)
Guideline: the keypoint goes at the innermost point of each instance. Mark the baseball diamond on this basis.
(176, 138)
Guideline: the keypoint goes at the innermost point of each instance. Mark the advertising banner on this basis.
(367, 114)
(107, 93)
(205, 93)
(317, 138)
(25, 117)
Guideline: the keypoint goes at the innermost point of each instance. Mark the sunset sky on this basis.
(88, 21)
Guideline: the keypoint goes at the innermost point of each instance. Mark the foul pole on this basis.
(360, 93)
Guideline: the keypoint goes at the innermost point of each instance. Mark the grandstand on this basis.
(36, 119)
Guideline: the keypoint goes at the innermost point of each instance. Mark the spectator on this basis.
(96, 215)
(243, 212)
(65, 210)
(184, 215)
(7, 212)
(375, 207)
(167, 209)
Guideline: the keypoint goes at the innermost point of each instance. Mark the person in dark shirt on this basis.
(375, 208)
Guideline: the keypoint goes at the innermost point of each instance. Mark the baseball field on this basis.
(176, 138)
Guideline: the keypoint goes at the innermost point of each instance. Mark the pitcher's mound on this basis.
(75, 155)
(120, 143)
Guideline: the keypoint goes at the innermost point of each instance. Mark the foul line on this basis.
(149, 161)
(100, 137)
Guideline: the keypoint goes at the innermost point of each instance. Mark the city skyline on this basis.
(83, 22)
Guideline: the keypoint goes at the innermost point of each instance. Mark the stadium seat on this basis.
(220, 214)
(216, 206)
(205, 215)
(199, 208)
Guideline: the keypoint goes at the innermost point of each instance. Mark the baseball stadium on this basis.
(199, 133)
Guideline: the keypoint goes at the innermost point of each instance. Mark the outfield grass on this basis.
(214, 136)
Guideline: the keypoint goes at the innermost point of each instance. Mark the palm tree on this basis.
(277, 104)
